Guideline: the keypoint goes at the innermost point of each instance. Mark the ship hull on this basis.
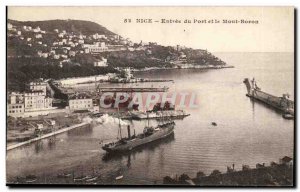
(156, 115)
(131, 144)
(282, 104)
(273, 101)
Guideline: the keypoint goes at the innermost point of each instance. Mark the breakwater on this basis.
(46, 136)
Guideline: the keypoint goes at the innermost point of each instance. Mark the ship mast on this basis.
(147, 117)
(120, 130)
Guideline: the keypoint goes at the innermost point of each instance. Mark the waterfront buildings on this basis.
(36, 100)
(33, 100)
(80, 101)
(15, 105)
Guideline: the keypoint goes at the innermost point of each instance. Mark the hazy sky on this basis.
(273, 33)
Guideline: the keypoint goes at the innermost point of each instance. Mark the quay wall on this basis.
(73, 81)
(45, 136)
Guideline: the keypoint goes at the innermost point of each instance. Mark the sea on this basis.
(247, 132)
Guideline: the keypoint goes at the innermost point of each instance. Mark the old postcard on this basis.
(168, 96)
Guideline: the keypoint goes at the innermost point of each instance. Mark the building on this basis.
(72, 53)
(45, 55)
(36, 30)
(15, 110)
(38, 85)
(97, 36)
(80, 101)
(100, 63)
(39, 36)
(36, 100)
(56, 56)
(81, 41)
(15, 104)
(27, 28)
(15, 98)
(61, 35)
(95, 48)
(9, 26)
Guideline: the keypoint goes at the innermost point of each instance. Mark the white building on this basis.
(15, 110)
(81, 41)
(97, 36)
(36, 100)
(100, 63)
(15, 104)
(38, 36)
(96, 48)
(9, 26)
(80, 101)
(72, 53)
(37, 30)
(27, 28)
(45, 55)
(38, 85)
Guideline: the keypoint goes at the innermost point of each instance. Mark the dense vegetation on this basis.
(21, 71)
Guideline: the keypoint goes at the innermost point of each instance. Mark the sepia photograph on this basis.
(150, 96)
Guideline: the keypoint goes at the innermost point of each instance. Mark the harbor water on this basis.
(247, 132)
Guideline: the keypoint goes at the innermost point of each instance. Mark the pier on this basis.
(283, 104)
(130, 89)
(45, 136)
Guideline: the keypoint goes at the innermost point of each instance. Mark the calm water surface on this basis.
(247, 132)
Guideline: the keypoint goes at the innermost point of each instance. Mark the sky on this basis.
(274, 31)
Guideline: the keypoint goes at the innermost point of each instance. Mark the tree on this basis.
(200, 174)
(215, 172)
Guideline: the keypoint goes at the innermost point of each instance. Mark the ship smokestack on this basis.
(128, 129)
(248, 85)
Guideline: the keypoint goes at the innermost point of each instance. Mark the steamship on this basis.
(150, 134)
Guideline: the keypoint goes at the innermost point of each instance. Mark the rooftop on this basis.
(80, 96)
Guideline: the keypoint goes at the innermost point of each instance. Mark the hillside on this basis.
(75, 26)
(66, 48)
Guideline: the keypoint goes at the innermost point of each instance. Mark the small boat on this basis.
(64, 175)
(214, 123)
(119, 177)
(92, 179)
(82, 178)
